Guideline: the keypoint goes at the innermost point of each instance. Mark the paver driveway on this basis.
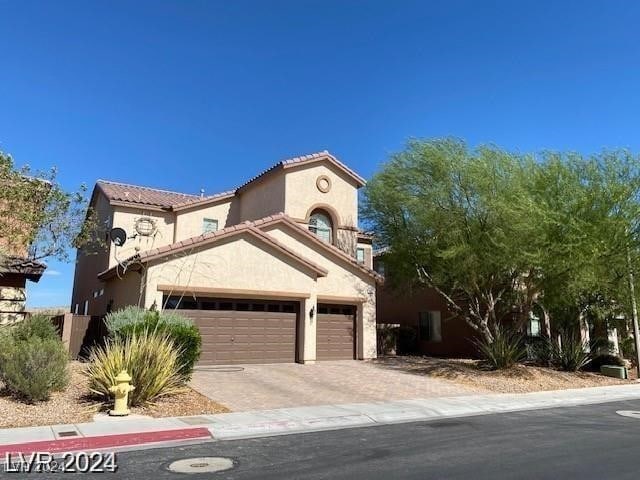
(257, 387)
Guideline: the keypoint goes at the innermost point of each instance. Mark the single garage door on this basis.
(335, 332)
(242, 331)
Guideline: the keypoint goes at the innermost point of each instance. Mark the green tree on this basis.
(38, 218)
(495, 233)
(455, 220)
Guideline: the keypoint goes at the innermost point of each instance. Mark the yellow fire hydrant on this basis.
(121, 392)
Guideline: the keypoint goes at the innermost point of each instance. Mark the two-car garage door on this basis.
(243, 331)
(237, 331)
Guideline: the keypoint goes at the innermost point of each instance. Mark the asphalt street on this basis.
(588, 442)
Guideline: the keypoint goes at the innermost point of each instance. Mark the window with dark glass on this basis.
(320, 225)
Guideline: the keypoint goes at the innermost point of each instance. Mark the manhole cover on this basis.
(201, 465)
(629, 413)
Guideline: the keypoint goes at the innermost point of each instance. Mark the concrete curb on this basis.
(138, 433)
(103, 442)
(239, 425)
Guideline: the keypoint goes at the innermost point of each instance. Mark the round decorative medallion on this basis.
(323, 183)
(145, 226)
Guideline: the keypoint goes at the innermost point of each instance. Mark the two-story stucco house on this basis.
(273, 271)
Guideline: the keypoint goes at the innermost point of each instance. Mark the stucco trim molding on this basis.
(323, 183)
(343, 300)
(210, 238)
(233, 292)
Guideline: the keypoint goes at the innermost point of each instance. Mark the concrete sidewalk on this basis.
(135, 431)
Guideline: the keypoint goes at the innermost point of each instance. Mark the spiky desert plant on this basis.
(150, 357)
(506, 349)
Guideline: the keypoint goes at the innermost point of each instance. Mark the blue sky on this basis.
(202, 94)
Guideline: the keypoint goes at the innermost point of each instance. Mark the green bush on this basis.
(600, 360)
(506, 349)
(36, 326)
(151, 358)
(33, 367)
(570, 353)
(180, 330)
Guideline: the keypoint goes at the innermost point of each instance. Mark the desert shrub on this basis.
(570, 353)
(538, 351)
(387, 336)
(180, 330)
(599, 360)
(150, 357)
(407, 340)
(628, 349)
(33, 367)
(35, 326)
(506, 349)
(601, 345)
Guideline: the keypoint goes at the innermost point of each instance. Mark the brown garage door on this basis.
(243, 331)
(335, 332)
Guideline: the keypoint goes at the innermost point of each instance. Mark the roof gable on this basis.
(295, 162)
(209, 239)
(334, 251)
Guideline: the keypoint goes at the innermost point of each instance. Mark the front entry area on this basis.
(241, 331)
(336, 332)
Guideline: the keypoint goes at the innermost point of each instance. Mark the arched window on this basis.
(320, 225)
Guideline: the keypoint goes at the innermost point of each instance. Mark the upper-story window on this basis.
(360, 255)
(320, 225)
(209, 225)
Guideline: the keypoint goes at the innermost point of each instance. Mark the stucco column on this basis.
(366, 330)
(307, 330)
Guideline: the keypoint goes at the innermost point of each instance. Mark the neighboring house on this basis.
(273, 271)
(16, 236)
(426, 313)
(14, 273)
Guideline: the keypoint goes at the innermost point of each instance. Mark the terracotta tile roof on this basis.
(122, 192)
(284, 218)
(32, 269)
(313, 157)
(200, 201)
(168, 200)
(255, 228)
(209, 238)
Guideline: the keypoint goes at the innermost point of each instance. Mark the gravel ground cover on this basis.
(520, 379)
(75, 405)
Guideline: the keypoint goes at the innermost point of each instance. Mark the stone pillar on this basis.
(12, 302)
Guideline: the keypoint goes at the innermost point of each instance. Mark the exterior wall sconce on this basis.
(312, 312)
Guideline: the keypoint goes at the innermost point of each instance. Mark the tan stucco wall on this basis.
(89, 264)
(125, 217)
(125, 291)
(342, 280)
(302, 193)
(265, 197)
(242, 263)
(189, 222)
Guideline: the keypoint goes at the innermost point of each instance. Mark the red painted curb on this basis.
(105, 441)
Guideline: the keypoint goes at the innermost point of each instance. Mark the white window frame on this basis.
(323, 232)
(360, 250)
(207, 223)
(534, 319)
